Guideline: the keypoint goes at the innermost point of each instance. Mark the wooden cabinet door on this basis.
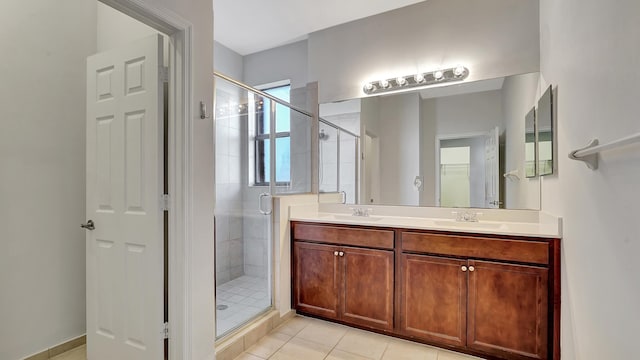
(507, 310)
(434, 299)
(368, 278)
(316, 279)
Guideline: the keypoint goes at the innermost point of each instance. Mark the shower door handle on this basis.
(343, 196)
(260, 198)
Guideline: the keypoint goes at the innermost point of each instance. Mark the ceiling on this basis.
(249, 26)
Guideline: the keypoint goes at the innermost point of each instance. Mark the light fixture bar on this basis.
(457, 73)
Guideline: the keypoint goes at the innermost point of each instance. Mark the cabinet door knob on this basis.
(335, 253)
(341, 253)
(471, 268)
(464, 268)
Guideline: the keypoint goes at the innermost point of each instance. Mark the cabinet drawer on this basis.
(535, 252)
(382, 239)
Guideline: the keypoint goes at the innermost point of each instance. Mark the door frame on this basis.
(439, 139)
(179, 159)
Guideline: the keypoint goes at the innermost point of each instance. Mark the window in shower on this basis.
(263, 128)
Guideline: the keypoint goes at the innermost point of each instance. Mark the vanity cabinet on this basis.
(492, 296)
(335, 277)
(492, 305)
(434, 299)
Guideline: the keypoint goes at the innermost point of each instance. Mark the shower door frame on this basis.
(272, 189)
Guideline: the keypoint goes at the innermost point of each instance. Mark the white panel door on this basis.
(492, 169)
(124, 185)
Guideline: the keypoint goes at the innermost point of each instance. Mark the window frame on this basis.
(260, 139)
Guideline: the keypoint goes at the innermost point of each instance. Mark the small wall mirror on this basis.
(530, 145)
(545, 133)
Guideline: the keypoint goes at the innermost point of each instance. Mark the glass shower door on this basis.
(262, 148)
(243, 210)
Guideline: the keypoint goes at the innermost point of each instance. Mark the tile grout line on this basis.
(337, 342)
(286, 342)
(386, 347)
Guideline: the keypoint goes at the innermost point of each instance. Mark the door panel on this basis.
(368, 278)
(317, 279)
(508, 309)
(124, 187)
(434, 299)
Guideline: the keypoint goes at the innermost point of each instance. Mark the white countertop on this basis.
(502, 222)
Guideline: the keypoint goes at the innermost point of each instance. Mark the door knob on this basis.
(464, 268)
(335, 253)
(89, 225)
(471, 268)
(341, 253)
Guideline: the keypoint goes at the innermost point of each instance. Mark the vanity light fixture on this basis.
(457, 73)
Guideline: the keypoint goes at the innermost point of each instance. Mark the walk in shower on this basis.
(262, 148)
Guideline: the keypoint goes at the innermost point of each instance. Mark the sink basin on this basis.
(353, 218)
(471, 225)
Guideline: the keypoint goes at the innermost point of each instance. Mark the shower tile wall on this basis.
(348, 156)
(256, 254)
(328, 159)
(230, 246)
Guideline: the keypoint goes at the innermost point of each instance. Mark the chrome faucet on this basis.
(357, 211)
(466, 216)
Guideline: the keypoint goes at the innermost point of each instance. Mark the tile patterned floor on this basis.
(244, 298)
(311, 339)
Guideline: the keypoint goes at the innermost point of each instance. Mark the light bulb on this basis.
(384, 84)
(401, 81)
(418, 78)
(459, 70)
(368, 87)
(438, 75)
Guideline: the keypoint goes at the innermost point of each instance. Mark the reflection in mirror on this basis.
(530, 146)
(445, 146)
(545, 133)
(338, 161)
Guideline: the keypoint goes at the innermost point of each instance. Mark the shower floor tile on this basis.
(244, 298)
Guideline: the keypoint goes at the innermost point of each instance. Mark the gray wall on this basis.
(601, 238)
(519, 95)
(481, 112)
(288, 62)
(42, 167)
(227, 61)
(492, 38)
(399, 148)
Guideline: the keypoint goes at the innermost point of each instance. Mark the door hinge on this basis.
(163, 73)
(166, 199)
(166, 330)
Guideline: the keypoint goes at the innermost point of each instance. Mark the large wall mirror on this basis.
(446, 146)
